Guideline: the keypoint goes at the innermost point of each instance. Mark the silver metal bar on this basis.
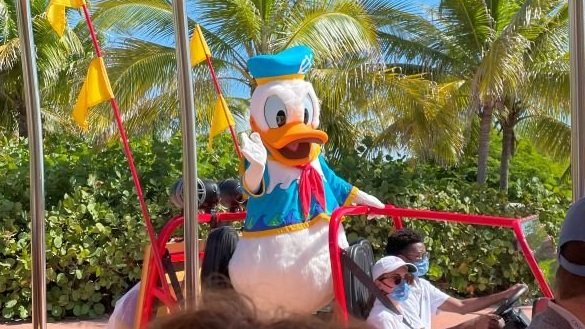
(185, 88)
(35, 144)
(577, 51)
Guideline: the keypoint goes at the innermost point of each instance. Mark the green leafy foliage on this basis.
(95, 234)
(94, 228)
(465, 259)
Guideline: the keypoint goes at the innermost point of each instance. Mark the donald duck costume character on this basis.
(282, 260)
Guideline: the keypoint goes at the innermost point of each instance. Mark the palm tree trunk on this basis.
(507, 149)
(485, 125)
(21, 119)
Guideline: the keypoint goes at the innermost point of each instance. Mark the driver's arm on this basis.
(483, 321)
(469, 305)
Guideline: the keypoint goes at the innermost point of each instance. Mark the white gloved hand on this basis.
(253, 149)
(255, 152)
(363, 198)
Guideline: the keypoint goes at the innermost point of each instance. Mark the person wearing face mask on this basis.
(390, 275)
(425, 300)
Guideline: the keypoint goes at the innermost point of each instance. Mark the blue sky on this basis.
(427, 2)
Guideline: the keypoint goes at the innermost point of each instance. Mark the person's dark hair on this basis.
(400, 240)
(227, 310)
(220, 246)
(570, 285)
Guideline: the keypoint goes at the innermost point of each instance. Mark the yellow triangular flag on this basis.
(96, 89)
(222, 119)
(69, 3)
(56, 13)
(198, 47)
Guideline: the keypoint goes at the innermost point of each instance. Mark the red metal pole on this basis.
(130, 158)
(529, 255)
(218, 90)
(336, 271)
(397, 222)
(335, 257)
(446, 216)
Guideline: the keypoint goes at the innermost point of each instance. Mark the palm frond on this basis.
(334, 30)
(548, 85)
(237, 22)
(406, 36)
(530, 13)
(551, 30)
(468, 22)
(9, 54)
(137, 67)
(151, 18)
(551, 135)
(428, 123)
(502, 66)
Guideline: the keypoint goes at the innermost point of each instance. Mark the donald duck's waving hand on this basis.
(282, 261)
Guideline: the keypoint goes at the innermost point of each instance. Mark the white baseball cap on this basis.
(389, 264)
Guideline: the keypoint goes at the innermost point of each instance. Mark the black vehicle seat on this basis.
(359, 298)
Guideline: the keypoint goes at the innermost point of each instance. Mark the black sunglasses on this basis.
(417, 257)
(395, 278)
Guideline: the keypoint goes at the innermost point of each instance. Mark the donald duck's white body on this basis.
(282, 260)
(286, 273)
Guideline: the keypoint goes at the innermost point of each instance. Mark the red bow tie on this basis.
(311, 185)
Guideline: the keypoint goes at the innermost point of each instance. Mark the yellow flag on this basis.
(222, 119)
(56, 13)
(96, 89)
(198, 47)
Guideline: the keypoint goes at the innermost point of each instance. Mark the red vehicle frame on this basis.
(153, 291)
(397, 214)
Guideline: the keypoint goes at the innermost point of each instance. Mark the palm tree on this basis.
(143, 68)
(541, 107)
(347, 75)
(486, 45)
(56, 59)
(544, 89)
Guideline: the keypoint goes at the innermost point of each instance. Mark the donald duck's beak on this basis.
(294, 143)
(293, 140)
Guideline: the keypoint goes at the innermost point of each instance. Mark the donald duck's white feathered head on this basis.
(284, 109)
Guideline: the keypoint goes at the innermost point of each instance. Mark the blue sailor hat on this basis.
(291, 63)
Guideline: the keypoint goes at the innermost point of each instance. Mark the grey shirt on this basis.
(555, 317)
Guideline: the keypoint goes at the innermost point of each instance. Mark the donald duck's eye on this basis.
(280, 118)
(274, 112)
(308, 103)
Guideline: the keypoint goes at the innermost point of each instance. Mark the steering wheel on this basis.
(508, 303)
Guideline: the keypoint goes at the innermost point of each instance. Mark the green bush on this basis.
(95, 234)
(94, 228)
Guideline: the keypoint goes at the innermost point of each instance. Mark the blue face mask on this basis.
(422, 266)
(400, 292)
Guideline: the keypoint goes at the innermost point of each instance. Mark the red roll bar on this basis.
(398, 213)
(152, 285)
